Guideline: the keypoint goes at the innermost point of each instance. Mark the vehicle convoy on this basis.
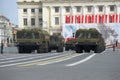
(29, 40)
(56, 43)
(89, 39)
(70, 44)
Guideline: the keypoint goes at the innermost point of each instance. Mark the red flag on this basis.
(92, 18)
(113, 19)
(95, 18)
(116, 18)
(103, 21)
(99, 18)
(67, 20)
(72, 19)
(82, 18)
(86, 19)
(119, 17)
(77, 19)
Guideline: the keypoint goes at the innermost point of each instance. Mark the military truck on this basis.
(70, 44)
(89, 39)
(56, 43)
(29, 40)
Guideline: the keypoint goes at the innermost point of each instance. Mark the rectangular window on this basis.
(40, 10)
(33, 10)
(67, 9)
(32, 21)
(56, 20)
(25, 21)
(56, 9)
(25, 10)
(89, 8)
(78, 8)
(40, 21)
(100, 8)
(112, 7)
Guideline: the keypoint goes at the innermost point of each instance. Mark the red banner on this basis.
(93, 18)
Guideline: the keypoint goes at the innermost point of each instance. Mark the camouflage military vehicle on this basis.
(33, 39)
(56, 43)
(70, 44)
(89, 40)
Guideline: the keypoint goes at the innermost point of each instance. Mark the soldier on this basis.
(113, 47)
(116, 43)
(2, 47)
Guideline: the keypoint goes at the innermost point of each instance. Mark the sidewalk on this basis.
(10, 49)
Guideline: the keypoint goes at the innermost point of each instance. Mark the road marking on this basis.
(11, 58)
(25, 58)
(81, 61)
(52, 60)
(28, 62)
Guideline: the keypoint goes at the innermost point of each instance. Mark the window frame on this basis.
(112, 8)
(56, 9)
(57, 21)
(24, 10)
(25, 21)
(100, 8)
(33, 21)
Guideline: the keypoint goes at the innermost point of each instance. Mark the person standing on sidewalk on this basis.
(113, 47)
(2, 44)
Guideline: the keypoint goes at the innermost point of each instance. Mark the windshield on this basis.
(28, 35)
(88, 35)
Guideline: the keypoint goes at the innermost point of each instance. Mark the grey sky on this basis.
(9, 9)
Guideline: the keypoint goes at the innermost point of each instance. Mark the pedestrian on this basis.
(113, 47)
(2, 47)
(116, 43)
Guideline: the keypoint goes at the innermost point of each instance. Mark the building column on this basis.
(106, 12)
(84, 10)
(37, 18)
(95, 12)
(29, 18)
(51, 19)
(20, 18)
(118, 12)
(73, 14)
(62, 17)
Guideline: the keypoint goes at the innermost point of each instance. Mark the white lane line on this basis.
(60, 60)
(21, 63)
(25, 56)
(28, 58)
(10, 58)
(81, 61)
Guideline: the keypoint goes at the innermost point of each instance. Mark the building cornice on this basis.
(28, 3)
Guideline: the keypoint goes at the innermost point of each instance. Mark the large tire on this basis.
(78, 50)
(60, 49)
(42, 50)
(20, 50)
(66, 48)
(97, 49)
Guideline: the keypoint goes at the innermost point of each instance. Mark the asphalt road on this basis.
(61, 66)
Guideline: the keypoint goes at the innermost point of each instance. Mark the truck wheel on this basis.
(66, 48)
(97, 50)
(59, 49)
(21, 50)
(46, 50)
(79, 50)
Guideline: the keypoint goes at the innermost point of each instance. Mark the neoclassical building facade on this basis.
(51, 15)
